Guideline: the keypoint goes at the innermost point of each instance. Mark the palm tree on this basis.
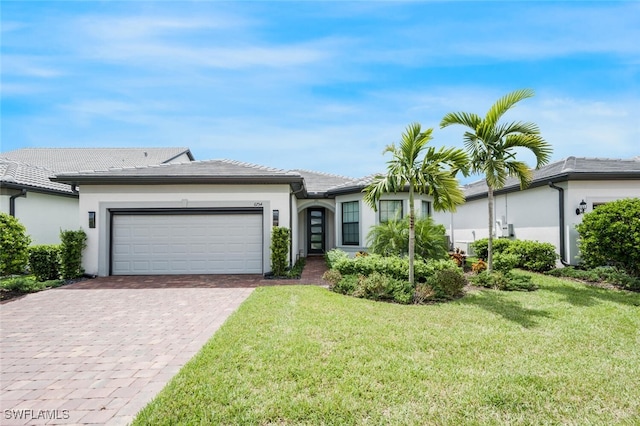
(433, 175)
(492, 147)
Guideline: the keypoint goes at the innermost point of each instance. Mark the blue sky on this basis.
(321, 86)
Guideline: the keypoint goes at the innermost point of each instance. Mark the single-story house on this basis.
(45, 207)
(550, 208)
(208, 217)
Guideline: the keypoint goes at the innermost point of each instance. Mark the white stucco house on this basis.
(45, 207)
(216, 216)
(550, 208)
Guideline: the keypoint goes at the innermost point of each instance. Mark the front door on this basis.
(316, 227)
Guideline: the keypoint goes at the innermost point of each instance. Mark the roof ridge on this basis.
(251, 165)
(325, 174)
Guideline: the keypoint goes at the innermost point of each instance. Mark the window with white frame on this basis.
(351, 223)
(390, 210)
(426, 209)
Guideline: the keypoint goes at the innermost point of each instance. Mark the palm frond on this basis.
(535, 143)
(505, 103)
(466, 119)
(521, 171)
(516, 127)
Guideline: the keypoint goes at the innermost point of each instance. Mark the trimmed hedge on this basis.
(14, 246)
(73, 243)
(386, 278)
(395, 267)
(280, 237)
(44, 261)
(610, 236)
(532, 255)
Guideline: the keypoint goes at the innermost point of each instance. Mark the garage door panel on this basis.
(187, 244)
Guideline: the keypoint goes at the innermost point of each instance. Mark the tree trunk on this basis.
(412, 234)
(490, 244)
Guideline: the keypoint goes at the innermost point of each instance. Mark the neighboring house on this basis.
(550, 208)
(42, 206)
(45, 207)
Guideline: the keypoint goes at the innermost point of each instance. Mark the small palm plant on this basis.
(419, 169)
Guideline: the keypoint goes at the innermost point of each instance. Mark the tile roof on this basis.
(220, 171)
(320, 183)
(356, 185)
(569, 168)
(76, 159)
(14, 173)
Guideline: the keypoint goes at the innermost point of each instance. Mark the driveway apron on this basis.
(87, 354)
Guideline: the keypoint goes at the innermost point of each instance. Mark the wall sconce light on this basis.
(582, 208)
(92, 219)
(276, 217)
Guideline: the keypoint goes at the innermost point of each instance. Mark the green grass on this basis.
(565, 354)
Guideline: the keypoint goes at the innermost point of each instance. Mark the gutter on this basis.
(561, 222)
(12, 201)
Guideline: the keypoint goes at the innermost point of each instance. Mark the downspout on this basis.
(12, 201)
(561, 222)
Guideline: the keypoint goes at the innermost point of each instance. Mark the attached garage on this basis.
(200, 217)
(169, 242)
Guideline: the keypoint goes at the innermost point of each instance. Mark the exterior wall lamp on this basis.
(581, 208)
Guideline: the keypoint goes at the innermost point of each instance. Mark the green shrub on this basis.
(298, 267)
(73, 243)
(14, 246)
(423, 293)
(607, 274)
(481, 247)
(333, 256)
(533, 255)
(504, 281)
(280, 237)
(346, 285)
(44, 262)
(333, 277)
(393, 266)
(392, 239)
(447, 283)
(610, 235)
(378, 286)
(504, 262)
(28, 284)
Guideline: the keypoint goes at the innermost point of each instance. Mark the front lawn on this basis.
(565, 354)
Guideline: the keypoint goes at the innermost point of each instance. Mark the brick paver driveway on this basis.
(98, 351)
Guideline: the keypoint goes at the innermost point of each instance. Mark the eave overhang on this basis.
(564, 177)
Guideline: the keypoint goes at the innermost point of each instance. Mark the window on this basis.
(390, 210)
(351, 223)
(426, 209)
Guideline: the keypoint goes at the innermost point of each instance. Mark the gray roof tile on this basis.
(570, 167)
(226, 171)
(320, 183)
(24, 175)
(75, 159)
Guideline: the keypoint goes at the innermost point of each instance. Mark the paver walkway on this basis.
(96, 352)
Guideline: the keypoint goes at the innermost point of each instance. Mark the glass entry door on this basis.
(316, 229)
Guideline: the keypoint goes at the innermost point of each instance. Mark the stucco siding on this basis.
(44, 215)
(102, 198)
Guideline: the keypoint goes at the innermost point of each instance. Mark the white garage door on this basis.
(157, 244)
